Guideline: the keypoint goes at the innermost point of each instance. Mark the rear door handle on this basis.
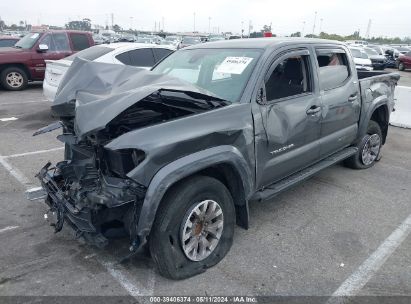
(353, 97)
(313, 110)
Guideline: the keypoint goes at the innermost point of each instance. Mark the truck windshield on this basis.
(28, 41)
(223, 72)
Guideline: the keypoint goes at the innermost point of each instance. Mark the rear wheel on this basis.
(14, 79)
(369, 148)
(193, 229)
(401, 66)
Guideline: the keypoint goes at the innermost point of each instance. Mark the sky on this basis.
(389, 18)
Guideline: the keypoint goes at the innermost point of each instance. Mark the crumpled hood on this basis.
(95, 93)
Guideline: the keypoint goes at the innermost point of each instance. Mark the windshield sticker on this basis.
(34, 36)
(234, 65)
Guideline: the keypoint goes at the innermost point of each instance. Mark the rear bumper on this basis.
(49, 91)
(378, 65)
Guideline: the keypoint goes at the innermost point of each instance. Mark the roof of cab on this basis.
(262, 43)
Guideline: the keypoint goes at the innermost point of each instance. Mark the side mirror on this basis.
(43, 48)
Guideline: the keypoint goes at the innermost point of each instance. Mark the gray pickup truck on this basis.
(172, 157)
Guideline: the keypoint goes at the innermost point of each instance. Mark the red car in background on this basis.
(25, 61)
(404, 61)
(7, 41)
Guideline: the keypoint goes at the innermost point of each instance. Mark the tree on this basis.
(116, 28)
(296, 34)
(266, 28)
(82, 25)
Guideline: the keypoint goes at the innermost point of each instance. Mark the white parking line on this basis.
(33, 152)
(115, 271)
(16, 173)
(8, 118)
(363, 274)
(8, 228)
(22, 102)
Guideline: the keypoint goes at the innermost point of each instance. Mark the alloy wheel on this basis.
(201, 230)
(371, 149)
(14, 79)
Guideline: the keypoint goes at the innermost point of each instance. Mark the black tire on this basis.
(401, 66)
(21, 79)
(165, 242)
(356, 161)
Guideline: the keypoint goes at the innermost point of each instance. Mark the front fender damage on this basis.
(91, 189)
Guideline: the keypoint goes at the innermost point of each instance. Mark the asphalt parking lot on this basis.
(307, 242)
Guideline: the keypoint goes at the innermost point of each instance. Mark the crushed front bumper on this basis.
(64, 211)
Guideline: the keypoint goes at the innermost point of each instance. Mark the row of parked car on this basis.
(48, 54)
(171, 40)
(24, 60)
(377, 57)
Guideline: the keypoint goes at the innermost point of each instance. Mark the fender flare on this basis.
(181, 168)
(376, 103)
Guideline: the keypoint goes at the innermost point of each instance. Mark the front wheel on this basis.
(401, 66)
(14, 79)
(193, 229)
(369, 148)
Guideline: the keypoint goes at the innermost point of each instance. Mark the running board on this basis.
(276, 188)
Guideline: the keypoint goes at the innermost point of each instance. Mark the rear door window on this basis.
(161, 53)
(142, 57)
(334, 69)
(79, 41)
(124, 58)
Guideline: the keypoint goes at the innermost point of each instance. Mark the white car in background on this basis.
(135, 54)
(361, 59)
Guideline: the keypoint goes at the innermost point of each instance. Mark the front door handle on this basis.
(313, 110)
(353, 97)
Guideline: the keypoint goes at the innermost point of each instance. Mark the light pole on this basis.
(315, 20)
(194, 27)
(242, 29)
(209, 25)
(131, 23)
(249, 28)
(302, 32)
(321, 25)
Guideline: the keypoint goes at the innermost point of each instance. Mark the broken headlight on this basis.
(120, 162)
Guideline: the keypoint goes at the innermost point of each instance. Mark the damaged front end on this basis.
(98, 203)
(90, 190)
